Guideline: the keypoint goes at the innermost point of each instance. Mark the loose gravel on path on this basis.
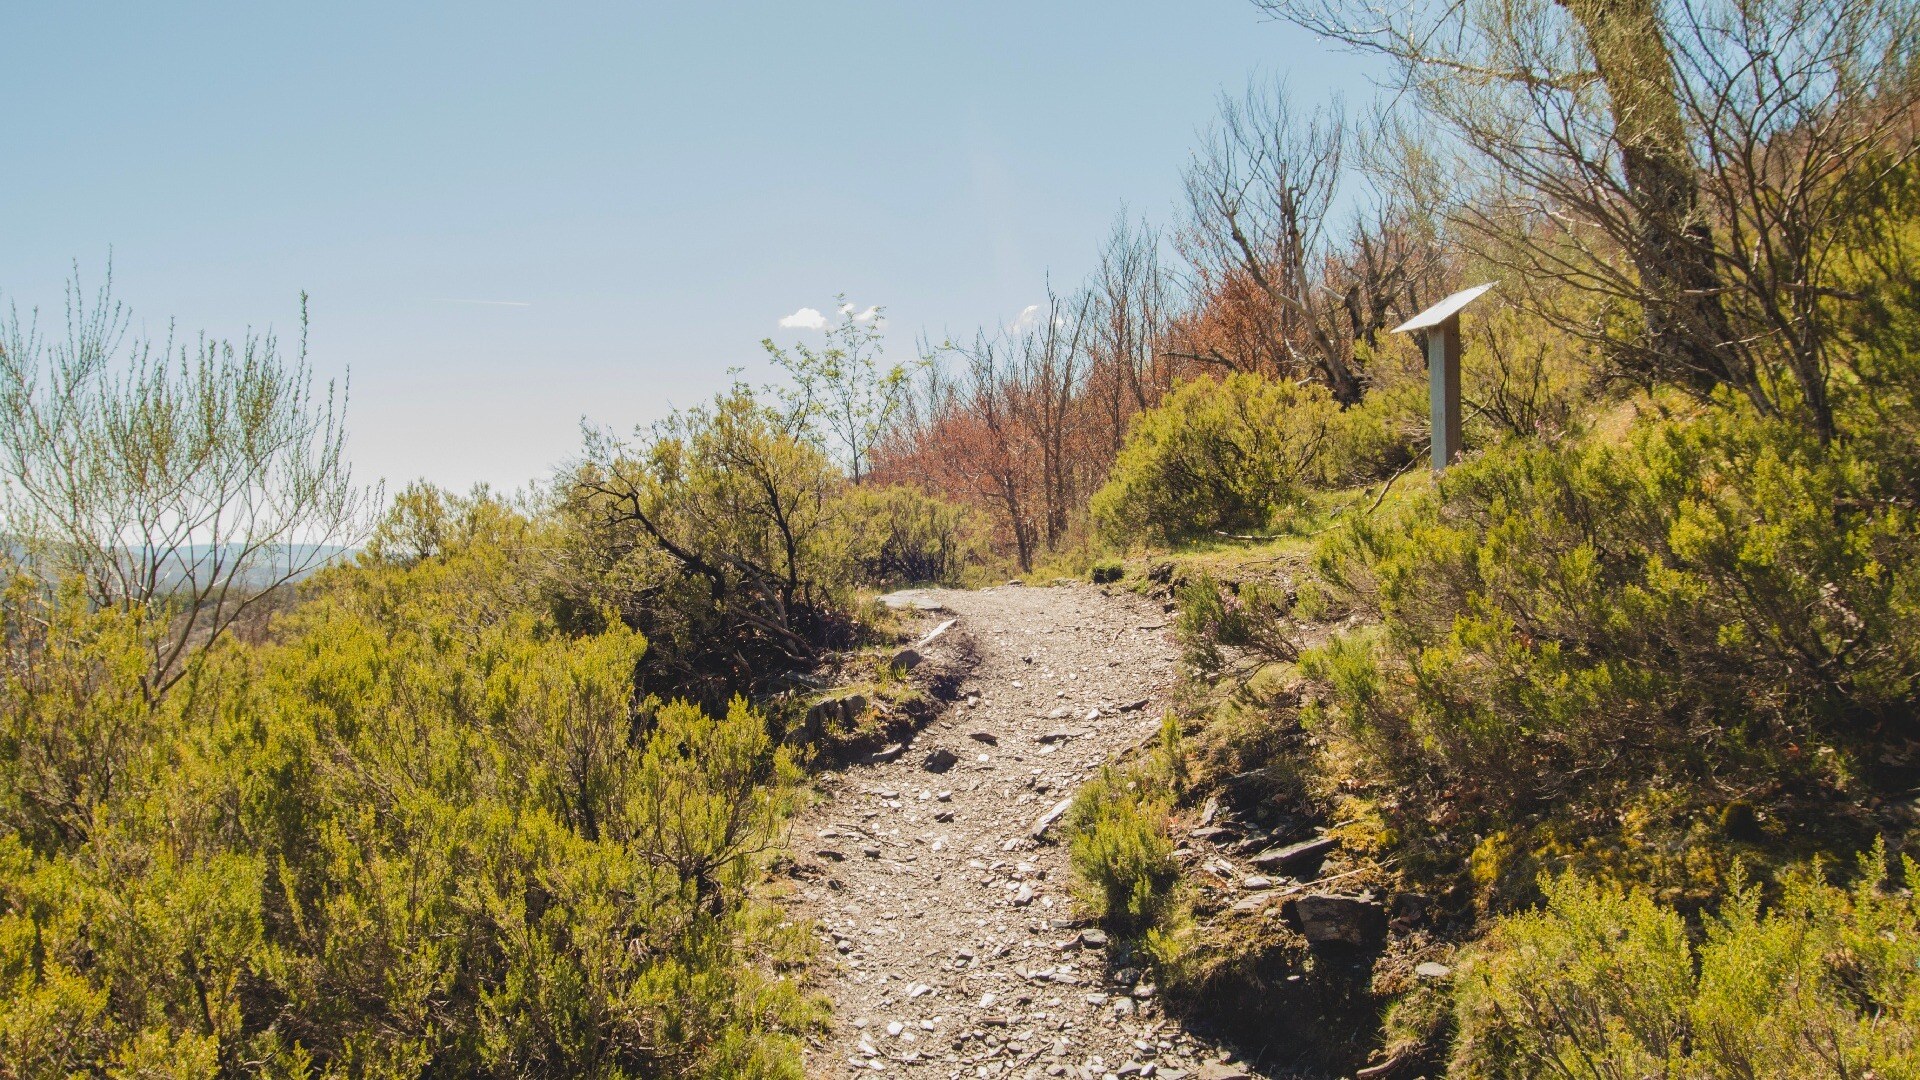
(952, 947)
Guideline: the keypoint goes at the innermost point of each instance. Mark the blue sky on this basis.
(640, 191)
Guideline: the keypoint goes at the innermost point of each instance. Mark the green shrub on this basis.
(900, 535)
(428, 522)
(418, 829)
(1218, 621)
(1600, 642)
(1213, 455)
(718, 537)
(1606, 983)
(1379, 435)
(1121, 853)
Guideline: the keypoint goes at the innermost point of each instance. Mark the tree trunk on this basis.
(1690, 336)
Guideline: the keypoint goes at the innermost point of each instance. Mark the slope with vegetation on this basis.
(492, 797)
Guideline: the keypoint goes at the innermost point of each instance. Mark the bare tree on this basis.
(1048, 387)
(1128, 313)
(190, 481)
(1691, 163)
(1291, 293)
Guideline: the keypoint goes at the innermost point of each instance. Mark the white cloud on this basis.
(812, 319)
(1028, 318)
(488, 303)
(805, 319)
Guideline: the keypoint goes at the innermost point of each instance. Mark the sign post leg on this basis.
(1443, 376)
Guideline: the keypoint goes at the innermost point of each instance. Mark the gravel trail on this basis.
(952, 946)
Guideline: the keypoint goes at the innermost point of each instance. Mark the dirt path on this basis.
(953, 945)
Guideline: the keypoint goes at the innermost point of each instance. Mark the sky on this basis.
(511, 218)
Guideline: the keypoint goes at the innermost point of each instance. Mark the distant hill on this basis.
(302, 560)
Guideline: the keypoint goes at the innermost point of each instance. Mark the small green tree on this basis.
(844, 393)
(714, 535)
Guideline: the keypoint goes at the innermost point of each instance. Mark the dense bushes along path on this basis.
(952, 944)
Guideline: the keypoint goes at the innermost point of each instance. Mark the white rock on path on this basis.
(1053, 814)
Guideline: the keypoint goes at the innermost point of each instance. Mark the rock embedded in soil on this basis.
(1053, 814)
(1325, 918)
(1295, 855)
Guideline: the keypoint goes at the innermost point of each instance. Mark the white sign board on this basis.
(1444, 310)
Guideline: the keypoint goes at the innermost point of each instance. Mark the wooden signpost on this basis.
(1442, 325)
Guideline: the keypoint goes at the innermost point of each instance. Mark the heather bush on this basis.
(1121, 852)
(900, 535)
(416, 829)
(1605, 982)
(1705, 632)
(1215, 455)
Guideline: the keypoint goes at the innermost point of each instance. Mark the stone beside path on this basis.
(951, 944)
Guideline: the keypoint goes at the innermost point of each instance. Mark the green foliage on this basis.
(1524, 376)
(73, 719)
(1604, 982)
(841, 394)
(1220, 621)
(902, 535)
(426, 522)
(420, 831)
(718, 538)
(1121, 852)
(1621, 636)
(196, 479)
(1214, 455)
(1120, 847)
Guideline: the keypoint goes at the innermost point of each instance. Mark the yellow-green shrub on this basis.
(718, 538)
(1248, 617)
(418, 830)
(1604, 982)
(1215, 454)
(1121, 853)
(1718, 608)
